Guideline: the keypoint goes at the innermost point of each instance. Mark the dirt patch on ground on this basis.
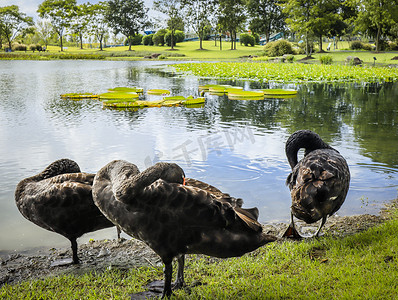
(124, 254)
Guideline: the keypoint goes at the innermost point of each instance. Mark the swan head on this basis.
(306, 139)
(171, 172)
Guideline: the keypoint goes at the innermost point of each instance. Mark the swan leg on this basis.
(74, 250)
(179, 283)
(291, 231)
(168, 273)
(320, 227)
(119, 231)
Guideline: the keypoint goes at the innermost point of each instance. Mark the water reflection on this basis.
(236, 145)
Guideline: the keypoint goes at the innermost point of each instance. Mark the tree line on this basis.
(311, 20)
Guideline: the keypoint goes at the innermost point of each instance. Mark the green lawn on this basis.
(360, 266)
(212, 52)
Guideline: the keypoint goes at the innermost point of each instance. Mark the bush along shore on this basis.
(357, 258)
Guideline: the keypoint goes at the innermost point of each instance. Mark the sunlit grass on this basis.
(362, 266)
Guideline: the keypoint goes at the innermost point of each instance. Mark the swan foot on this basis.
(292, 233)
(62, 262)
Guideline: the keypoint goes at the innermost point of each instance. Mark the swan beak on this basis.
(183, 182)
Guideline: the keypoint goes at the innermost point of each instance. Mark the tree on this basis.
(265, 17)
(326, 18)
(60, 13)
(98, 21)
(300, 17)
(198, 13)
(127, 17)
(12, 22)
(231, 17)
(375, 17)
(44, 29)
(81, 20)
(171, 8)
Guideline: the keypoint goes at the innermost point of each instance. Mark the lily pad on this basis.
(118, 96)
(158, 92)
(279, 92)
(79, 96)
(246, 95)
(127, 89)
(192, 101)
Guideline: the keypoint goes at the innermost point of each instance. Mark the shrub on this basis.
(135, 40)
(247, 39)
(19, 47)
(367, 47)
(32, 47)
(290, 58)
(158, 37)
(178, 37)
(278, 48)
(147, 40)
(326, 60)
(356, 45)
(256, 38)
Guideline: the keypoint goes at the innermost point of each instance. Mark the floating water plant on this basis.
(77, 96)
(246, 95)
(158, 92)
(119, 96)
(289, 72)
(127, 89)
(279, 92)
(167, 101)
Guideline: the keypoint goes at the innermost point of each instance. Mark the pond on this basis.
(237, 146)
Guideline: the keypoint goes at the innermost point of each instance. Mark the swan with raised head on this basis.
(318, 183)
(59, 199)
(172, 218)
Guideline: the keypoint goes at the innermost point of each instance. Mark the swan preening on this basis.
(318, 183)
(175, 219)
(59, 199)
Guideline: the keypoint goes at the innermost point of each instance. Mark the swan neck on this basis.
(305, 139)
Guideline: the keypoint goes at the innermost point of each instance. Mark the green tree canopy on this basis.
(98, 20)
(266, 17)
(12, 22)
(172, 9)
(232, 15)
(127, 17)
(375, 17)
(198, 13)
(60, 13)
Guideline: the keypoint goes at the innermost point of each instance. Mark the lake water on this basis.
(237, 146)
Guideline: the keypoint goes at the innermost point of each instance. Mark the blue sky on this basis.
(30, 6)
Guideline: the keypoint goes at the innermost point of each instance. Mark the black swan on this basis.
(318, 183)
(59, 199)
(172, 218)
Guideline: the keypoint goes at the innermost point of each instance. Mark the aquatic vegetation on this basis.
(127, 89)
(119, 96)
(289, 72)
(166, 101)
(246, 95)
(279, 91)
(158, 92)
(78, 96)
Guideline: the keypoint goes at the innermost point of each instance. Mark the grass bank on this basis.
(359, 266)
(189, 51)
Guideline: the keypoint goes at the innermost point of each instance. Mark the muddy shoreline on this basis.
(124, 254)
